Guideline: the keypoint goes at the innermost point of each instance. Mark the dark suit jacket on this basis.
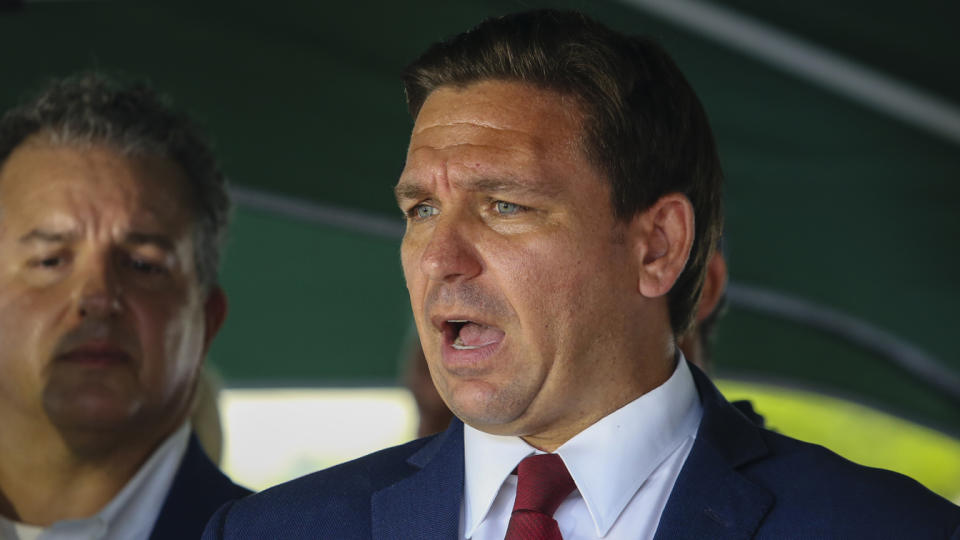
(198, 489)
(739, 481)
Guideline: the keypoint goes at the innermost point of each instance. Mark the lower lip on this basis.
(468, 361)
(95, 360)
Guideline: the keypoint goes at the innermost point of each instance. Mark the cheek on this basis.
(541, 279)
(170, 335)
(185, 344)
(31, 318)
(410, 263)
(560, 293)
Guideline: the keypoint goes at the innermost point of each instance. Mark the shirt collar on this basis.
(488, 461)
(135, 508)
(609, 461)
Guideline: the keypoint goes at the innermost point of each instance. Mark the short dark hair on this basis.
(644, 127)
(131, 118)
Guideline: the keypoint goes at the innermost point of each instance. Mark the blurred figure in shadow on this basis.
(112, 215)
(433, 414)
(205, 414)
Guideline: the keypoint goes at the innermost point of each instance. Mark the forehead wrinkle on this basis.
(503, 179)
(472, 125)
(506, 184)
(48, 236)
(159, 240)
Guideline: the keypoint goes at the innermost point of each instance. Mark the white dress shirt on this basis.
(130, 515)
(624, 467)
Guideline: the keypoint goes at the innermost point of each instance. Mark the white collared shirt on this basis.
(624, 467)
(131, 514)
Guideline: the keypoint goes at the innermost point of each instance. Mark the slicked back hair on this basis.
(644, 127)
(92, 109)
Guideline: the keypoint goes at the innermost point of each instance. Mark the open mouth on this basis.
(465, 335)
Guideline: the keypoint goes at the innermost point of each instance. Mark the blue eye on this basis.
(423, 211)
(507, 208)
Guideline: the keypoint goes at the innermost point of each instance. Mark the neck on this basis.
(65, 476)
(646, 377)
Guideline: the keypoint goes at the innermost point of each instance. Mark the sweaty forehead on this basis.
(493, 128)
(497, 105)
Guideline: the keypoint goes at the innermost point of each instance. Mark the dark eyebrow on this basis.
(50, 237)
(500, 185)
(159, 240)
(408, 190)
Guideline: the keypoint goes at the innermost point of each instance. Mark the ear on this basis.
(214, 313)
(665, 236)
(714, 283)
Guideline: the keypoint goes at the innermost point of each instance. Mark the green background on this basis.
(827, 199)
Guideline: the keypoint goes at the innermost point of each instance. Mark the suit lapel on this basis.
(198, 489)
(711, 499)
(425, 504)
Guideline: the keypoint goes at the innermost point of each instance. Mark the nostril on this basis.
(99, 305)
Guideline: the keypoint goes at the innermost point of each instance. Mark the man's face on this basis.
(523, 287)
(103, 324)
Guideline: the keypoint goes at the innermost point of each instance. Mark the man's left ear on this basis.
(664, 237)
(214, 312)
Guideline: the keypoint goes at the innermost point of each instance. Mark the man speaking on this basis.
(563, 196)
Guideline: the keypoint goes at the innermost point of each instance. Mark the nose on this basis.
(100, 292)
(450, 255)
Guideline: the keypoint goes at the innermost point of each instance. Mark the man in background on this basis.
(112, 216)
(563, 199)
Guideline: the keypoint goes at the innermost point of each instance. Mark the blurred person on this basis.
(563, 197)
(112, 216)
(696, 343)
(433, 415)
(205, 414)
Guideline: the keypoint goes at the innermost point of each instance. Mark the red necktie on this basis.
(543, 482)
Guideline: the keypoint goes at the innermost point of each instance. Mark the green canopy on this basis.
(836, 121)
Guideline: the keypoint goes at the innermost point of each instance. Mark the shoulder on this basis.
(801, 488)
(198, 476)
(801, 469)
(332, 503)
(199, 487)
(826, 492)
(823, 491)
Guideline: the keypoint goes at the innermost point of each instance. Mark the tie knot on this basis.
(543, 482)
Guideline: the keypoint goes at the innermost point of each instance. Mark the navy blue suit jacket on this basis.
(739, 481)
(198, 489)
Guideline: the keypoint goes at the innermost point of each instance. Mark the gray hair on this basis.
(136, 121)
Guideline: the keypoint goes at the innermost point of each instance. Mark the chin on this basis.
(490, 416)
(94, 416)
(93, 409)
